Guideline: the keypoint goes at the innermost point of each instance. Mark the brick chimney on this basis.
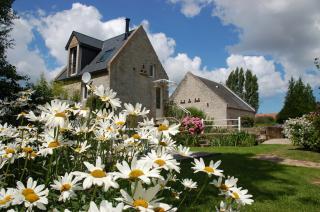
(126, 35)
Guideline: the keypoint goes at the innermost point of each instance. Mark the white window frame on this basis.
(76, 61)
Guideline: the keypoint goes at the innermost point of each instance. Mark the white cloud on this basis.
(287, 30)
(191, 8)
(56, 28)
(26, 61)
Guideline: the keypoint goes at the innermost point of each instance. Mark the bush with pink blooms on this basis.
(193, 125)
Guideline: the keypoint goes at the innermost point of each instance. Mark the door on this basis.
(159, 102)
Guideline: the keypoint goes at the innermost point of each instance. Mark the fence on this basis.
(238, 121)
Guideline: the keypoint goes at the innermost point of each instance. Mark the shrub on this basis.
(304, 131)
(247, 121)
(172, 110)
(195, 112)
(233, 139)
(265, 120)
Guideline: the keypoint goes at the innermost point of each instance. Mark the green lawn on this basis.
(275, 187)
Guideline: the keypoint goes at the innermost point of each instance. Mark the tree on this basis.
(245, 85)
(43, 91)
(9, 78)
(299, 100)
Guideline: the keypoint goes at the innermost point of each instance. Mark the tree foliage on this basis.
(245, 85)
(9, 78)
(298, 101)
(43, 91)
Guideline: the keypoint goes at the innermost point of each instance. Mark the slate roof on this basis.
(233, 100)
(108, 49)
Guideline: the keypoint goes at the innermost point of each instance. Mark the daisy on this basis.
(6, 197)
(223, 207)
(228, 183)
(50, 143)
(120, 120)
(135, 110)
(82, 147)
(56, 113)
(9, 151)
(108, 96)
(167, 129)
(163, 142)
(162, 160)
(138, 171)
(163, 207)
(142, 200)
(146, 123)
(241, 196)
(183, 151)
(67, 185)
(97, 176)
(103, 114)
(105, 206)
(189, 184)
(199, 166)
(22, 115)
(32, 195)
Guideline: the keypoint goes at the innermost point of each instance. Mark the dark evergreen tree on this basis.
(245, 85)
(9, 78)
(43, 91)
(298, 101)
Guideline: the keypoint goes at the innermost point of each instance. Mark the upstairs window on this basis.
(73, 61)
(152, 70)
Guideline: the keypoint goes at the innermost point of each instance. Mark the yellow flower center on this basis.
(10, 151)
(60, 115)
(33, 154)
(22, 114)
(77, 149)
(134, 174)
(120, 123)
(136, 136)
(104, 98)
(162, 143)
(5, 200)
(141, 203)
(163, 127)
(27, 150)
(235, 195)
(65, 187)
(159, 209)
(208, 169)
(54, 144)
(224, 187)
(98, 173)
(160, 162)
(30, 195)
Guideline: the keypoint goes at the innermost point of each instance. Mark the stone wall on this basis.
(129, 72)
(191, 89)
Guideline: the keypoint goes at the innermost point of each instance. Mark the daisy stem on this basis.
(94, 193)
(201, 190)
(49, 169)
(24, 168)
(183, 199)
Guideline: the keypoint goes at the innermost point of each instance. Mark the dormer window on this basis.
(73, 61)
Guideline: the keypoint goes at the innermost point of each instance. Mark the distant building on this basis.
(215, 99)
(127, 63)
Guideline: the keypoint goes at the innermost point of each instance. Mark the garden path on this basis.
(286, 161)
(277, 141)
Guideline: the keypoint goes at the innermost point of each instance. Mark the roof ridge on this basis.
(228, 89)
(237, 96)
(87, 36)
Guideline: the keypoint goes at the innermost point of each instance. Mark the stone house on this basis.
(127, 63)
(215, 99)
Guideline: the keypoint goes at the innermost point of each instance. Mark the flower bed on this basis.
(65, 157)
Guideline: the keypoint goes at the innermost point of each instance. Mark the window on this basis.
(73, 60)
(105, 55)
(85, 92)
(158, 98)
(152, 70)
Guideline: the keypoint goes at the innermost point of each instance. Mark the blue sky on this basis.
(207, 37)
